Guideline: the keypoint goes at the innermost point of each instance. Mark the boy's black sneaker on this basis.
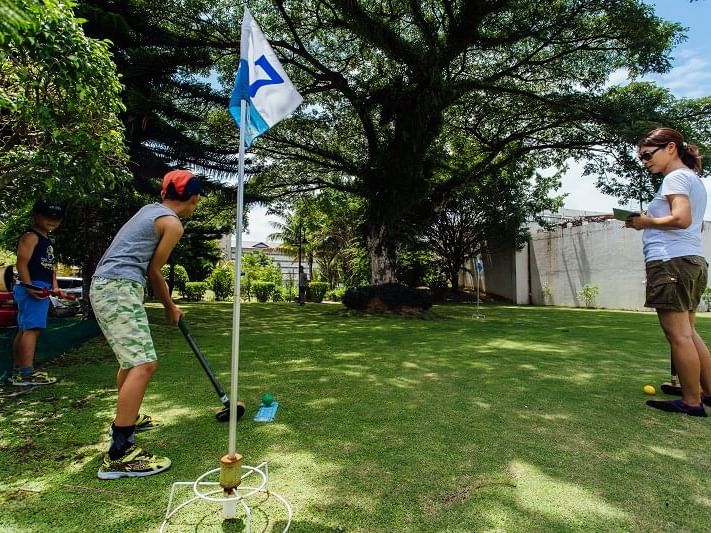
(677, 406)
(135, 462)
(35, 378)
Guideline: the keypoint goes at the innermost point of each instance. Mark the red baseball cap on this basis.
(181, 185)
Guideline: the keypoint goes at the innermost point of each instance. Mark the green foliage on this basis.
(706, 297)
(316, 290)
(7, 257)
(59, 105)
(417, 264)
(181, 277)
(263, 290)
(258, 266)
(490, 214)
(165, 52)
(335, 295)
(435, 279)
(280, 294)
(284, 294)
(14, 21)
(222, 282)
(195, 290)
(328, 227)
(588, 294)
(390, 295)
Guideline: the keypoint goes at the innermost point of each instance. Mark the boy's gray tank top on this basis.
(133, 247)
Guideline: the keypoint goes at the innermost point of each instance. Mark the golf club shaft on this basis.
(203, 362)
(46, 291)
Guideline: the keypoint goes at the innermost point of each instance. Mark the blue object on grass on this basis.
(266, 413)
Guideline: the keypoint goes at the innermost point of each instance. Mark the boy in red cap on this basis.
(35, 266)
(139, 250)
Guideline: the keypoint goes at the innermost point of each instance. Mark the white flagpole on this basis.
(478, 284)
(232, 448)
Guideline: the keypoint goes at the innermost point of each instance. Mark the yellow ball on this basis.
(648, 389)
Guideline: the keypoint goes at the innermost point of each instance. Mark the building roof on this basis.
(257, 245)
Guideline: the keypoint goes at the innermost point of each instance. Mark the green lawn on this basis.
(532, 419)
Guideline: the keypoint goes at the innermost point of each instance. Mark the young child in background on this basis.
(35, 266)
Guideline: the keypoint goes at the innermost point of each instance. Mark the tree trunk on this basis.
(96, 245)
(382, 258)
(454, 280)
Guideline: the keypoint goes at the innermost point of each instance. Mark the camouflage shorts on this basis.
(118, 306)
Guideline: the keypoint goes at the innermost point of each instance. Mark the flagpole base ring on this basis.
(212, 492)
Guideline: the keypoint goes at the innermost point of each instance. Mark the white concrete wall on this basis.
(498, 277)
(605, 254)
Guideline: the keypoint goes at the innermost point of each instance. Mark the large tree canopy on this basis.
(164, 51)
(59, 105)
(388, 83)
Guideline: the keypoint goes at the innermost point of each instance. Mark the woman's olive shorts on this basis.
(677, 284)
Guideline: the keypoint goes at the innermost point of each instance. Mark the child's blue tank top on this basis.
(41, 263)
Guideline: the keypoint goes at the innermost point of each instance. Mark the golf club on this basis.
(47, 292)
(224, 414)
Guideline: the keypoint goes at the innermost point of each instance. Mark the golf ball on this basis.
(267, 398)
(648, 389)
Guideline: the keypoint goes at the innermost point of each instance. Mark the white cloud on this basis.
(582, 194)
(618, 77)
(259, 224)
(690, 78)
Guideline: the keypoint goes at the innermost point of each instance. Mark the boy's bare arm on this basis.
(170, 230)
(25, 247)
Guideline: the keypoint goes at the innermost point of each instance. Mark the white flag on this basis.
(262, 82)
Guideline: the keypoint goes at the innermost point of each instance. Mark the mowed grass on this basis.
(531, 419)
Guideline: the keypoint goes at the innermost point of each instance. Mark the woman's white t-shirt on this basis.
(665, 244)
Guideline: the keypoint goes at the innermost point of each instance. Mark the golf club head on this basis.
(224, 414)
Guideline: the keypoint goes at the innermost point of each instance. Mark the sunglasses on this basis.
(646, 156)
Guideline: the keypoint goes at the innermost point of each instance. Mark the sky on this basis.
(690, 77)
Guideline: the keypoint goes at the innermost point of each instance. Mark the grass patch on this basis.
(532, 419)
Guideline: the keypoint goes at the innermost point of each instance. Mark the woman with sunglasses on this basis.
(675, 266)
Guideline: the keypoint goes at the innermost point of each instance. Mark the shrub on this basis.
(392, 295)
(263, 290)
(222, 282)
(181, 277)
(316, 290)
(335, 295)
(706, 297)
(280, 294)
(588, 294)
(258, 267)
(195, 290)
